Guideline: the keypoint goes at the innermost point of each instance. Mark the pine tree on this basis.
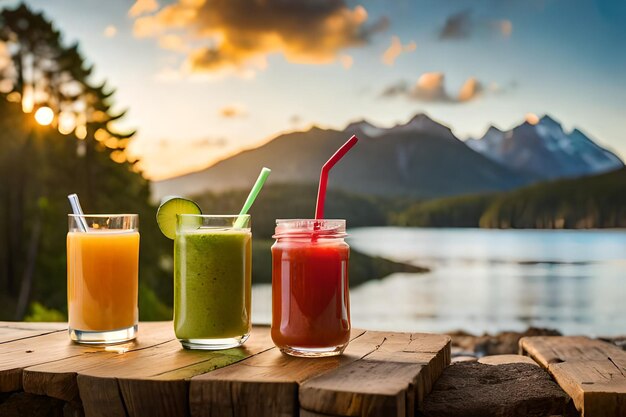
(80, 152)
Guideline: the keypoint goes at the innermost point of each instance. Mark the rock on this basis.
(500, 344)
(619, 341)
(504, 359)
(477, 390)
(24, 404)
(462, 341)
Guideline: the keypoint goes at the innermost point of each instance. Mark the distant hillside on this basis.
(298, 201)
(293, 201)
(589, 202)
(419, 159)
(545, 150)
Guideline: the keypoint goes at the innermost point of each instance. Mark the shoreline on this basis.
(468, 347)
(363, 267)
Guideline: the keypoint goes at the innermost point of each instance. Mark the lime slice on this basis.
(169, 208)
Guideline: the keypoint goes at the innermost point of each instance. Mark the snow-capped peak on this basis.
(489, 143)
(546, 150)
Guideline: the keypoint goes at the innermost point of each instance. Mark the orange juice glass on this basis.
(102, 277)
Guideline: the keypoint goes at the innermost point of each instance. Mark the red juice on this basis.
(310, 296)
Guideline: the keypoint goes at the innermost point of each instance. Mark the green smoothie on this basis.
(212, 283)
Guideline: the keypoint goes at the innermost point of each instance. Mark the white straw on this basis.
(78, 211)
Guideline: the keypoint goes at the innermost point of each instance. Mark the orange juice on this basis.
(102, 279)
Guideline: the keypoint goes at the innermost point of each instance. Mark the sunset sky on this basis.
(205, 78)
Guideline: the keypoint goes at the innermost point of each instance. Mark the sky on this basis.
(204, 79)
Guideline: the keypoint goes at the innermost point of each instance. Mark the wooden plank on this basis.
(26, 325)
(592, 372)
(391, 381)
(105, 401)
(11, 331)
(155, 376)
(57, 378)
(20, 354)
(267, 384)
(154, 381)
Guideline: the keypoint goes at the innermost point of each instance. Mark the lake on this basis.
(489, 280)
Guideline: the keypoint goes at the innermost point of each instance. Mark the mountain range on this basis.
(418, 159)
(545, 150)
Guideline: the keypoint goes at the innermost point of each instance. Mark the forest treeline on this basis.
(589, 202)
(581, 203)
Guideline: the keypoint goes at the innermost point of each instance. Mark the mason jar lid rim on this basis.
(330, 228)
(283, 221)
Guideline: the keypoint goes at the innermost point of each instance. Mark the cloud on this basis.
(395, 49)
(430, 87)
(457, 26)
(240, 35)
(463, 25)
(232, 111)
(142, 7)
(110, 31)
(173, 42)
(400, 88)
(471, 89)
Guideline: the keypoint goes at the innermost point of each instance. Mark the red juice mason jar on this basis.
(310, 298)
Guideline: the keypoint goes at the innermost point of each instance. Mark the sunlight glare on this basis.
(119, 349)
(118, 156)
(67, 122)
(6, 86)
(101, 135)
(111, 143)
(28, 99)
(14, 97)
(44, 116)
(81, 132)
(532, 118)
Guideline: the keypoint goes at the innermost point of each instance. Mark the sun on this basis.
(44, 116)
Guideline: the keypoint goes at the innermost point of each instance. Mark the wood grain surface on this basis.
(592, 372)
(154, 376)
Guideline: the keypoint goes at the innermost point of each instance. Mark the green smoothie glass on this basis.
(212, 280)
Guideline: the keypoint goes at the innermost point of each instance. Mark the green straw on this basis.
(265, 172)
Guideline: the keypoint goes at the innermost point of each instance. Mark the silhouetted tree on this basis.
(80, 152)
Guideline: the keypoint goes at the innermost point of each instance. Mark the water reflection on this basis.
(490, 280)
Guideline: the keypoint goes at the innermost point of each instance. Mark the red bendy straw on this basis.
(321, 191)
